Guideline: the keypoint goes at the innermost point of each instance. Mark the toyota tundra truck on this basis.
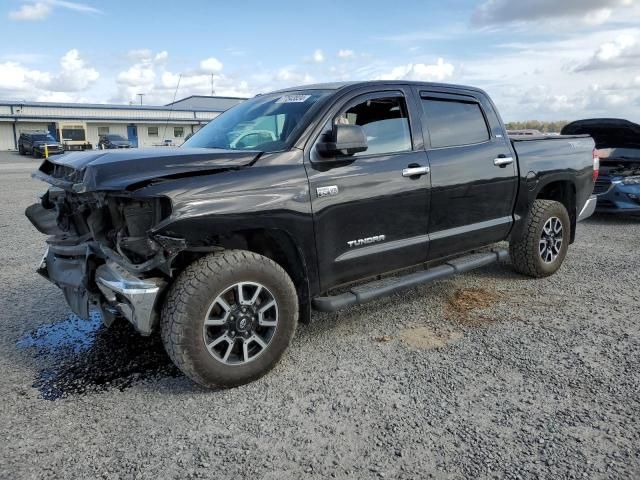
(319, 197)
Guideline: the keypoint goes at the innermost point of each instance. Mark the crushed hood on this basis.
(120, 169)
(606, 132)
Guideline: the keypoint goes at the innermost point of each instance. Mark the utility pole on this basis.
(212, 90)
(140, 95)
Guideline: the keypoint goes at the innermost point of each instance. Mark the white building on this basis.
(144, 126)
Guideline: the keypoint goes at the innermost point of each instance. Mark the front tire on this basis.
(229, 317)
(545, 241)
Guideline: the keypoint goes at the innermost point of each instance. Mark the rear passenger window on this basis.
(454, 123)
(385, 123)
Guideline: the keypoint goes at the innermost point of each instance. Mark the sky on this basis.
(538, 59)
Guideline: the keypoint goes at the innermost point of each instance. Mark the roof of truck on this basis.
(366, 83)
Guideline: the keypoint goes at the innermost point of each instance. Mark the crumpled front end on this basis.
(105, 246)
(102, 252)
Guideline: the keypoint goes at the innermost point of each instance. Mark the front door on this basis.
(53, 131)
(369, 216)
(473, 173)
(132, 135)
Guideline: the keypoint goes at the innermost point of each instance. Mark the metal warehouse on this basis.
(143, 126)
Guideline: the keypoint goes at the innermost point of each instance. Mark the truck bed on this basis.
(529, 138)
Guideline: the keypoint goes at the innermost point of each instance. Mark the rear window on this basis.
(452, 123)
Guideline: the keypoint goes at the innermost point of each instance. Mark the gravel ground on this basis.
(486, 375)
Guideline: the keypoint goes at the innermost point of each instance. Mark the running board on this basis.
(385, 287)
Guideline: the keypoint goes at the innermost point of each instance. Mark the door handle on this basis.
(414, 171)
(502, 161)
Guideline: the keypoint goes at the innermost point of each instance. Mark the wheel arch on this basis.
(563, 191)
(275, 244)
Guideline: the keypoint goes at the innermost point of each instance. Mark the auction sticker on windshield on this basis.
(292, 98)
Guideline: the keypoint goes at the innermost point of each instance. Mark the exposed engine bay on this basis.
(105, 247)
(119, 224)
(614, 169)
(98, 242)
(619, 162)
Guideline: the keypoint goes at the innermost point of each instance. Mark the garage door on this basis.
(6, 136)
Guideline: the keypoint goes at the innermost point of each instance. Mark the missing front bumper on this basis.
(118, 290)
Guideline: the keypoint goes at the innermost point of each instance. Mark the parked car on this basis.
(525, 131)
(33, 143)
(225, 250)
(618, 147)
(109, 141)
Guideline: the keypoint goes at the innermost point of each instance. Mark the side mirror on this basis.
(343, 140)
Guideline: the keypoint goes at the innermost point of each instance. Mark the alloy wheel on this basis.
(551, 240)
(240, 323)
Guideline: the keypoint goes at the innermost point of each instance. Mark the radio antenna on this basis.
(164, 135)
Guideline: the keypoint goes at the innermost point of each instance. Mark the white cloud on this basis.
(290, 76)
(40, 10)
(75, 75)
(598, 17)
(439, 71)
(137, 75)
(538, 80)
(495, 12)
(21, 81)
(211, 65)
(317, 57)
(161, 56)
(346, 54)
(78, 7)
(623, 52)
(14, 77)
(31, 12)
(149, 74)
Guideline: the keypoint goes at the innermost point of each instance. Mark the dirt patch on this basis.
(383, 338)
(462, 305)
(425, 338)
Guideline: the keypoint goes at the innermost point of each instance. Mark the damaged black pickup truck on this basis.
(305, 198)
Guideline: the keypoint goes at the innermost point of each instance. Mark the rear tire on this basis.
(545, 241)
(21, 150)
(205, 329)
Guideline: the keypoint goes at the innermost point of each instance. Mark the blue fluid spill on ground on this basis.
(82, 356)
(72, 333)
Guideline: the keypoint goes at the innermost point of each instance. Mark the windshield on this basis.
(266, 123)
(115, 137)
(43, 138)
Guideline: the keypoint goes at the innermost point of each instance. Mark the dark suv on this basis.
(34, 143)
(113, 141)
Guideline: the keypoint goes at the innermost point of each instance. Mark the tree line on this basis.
(544, 127)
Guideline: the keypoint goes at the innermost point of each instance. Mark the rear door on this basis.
(369, 217)
(473, 172)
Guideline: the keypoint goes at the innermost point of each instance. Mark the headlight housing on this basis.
(635, 180)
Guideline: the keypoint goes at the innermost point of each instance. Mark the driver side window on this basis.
(385, 122)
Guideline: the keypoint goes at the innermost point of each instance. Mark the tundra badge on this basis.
(366, 241)
(329, 191)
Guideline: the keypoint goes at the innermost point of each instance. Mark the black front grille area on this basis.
(602, 185)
